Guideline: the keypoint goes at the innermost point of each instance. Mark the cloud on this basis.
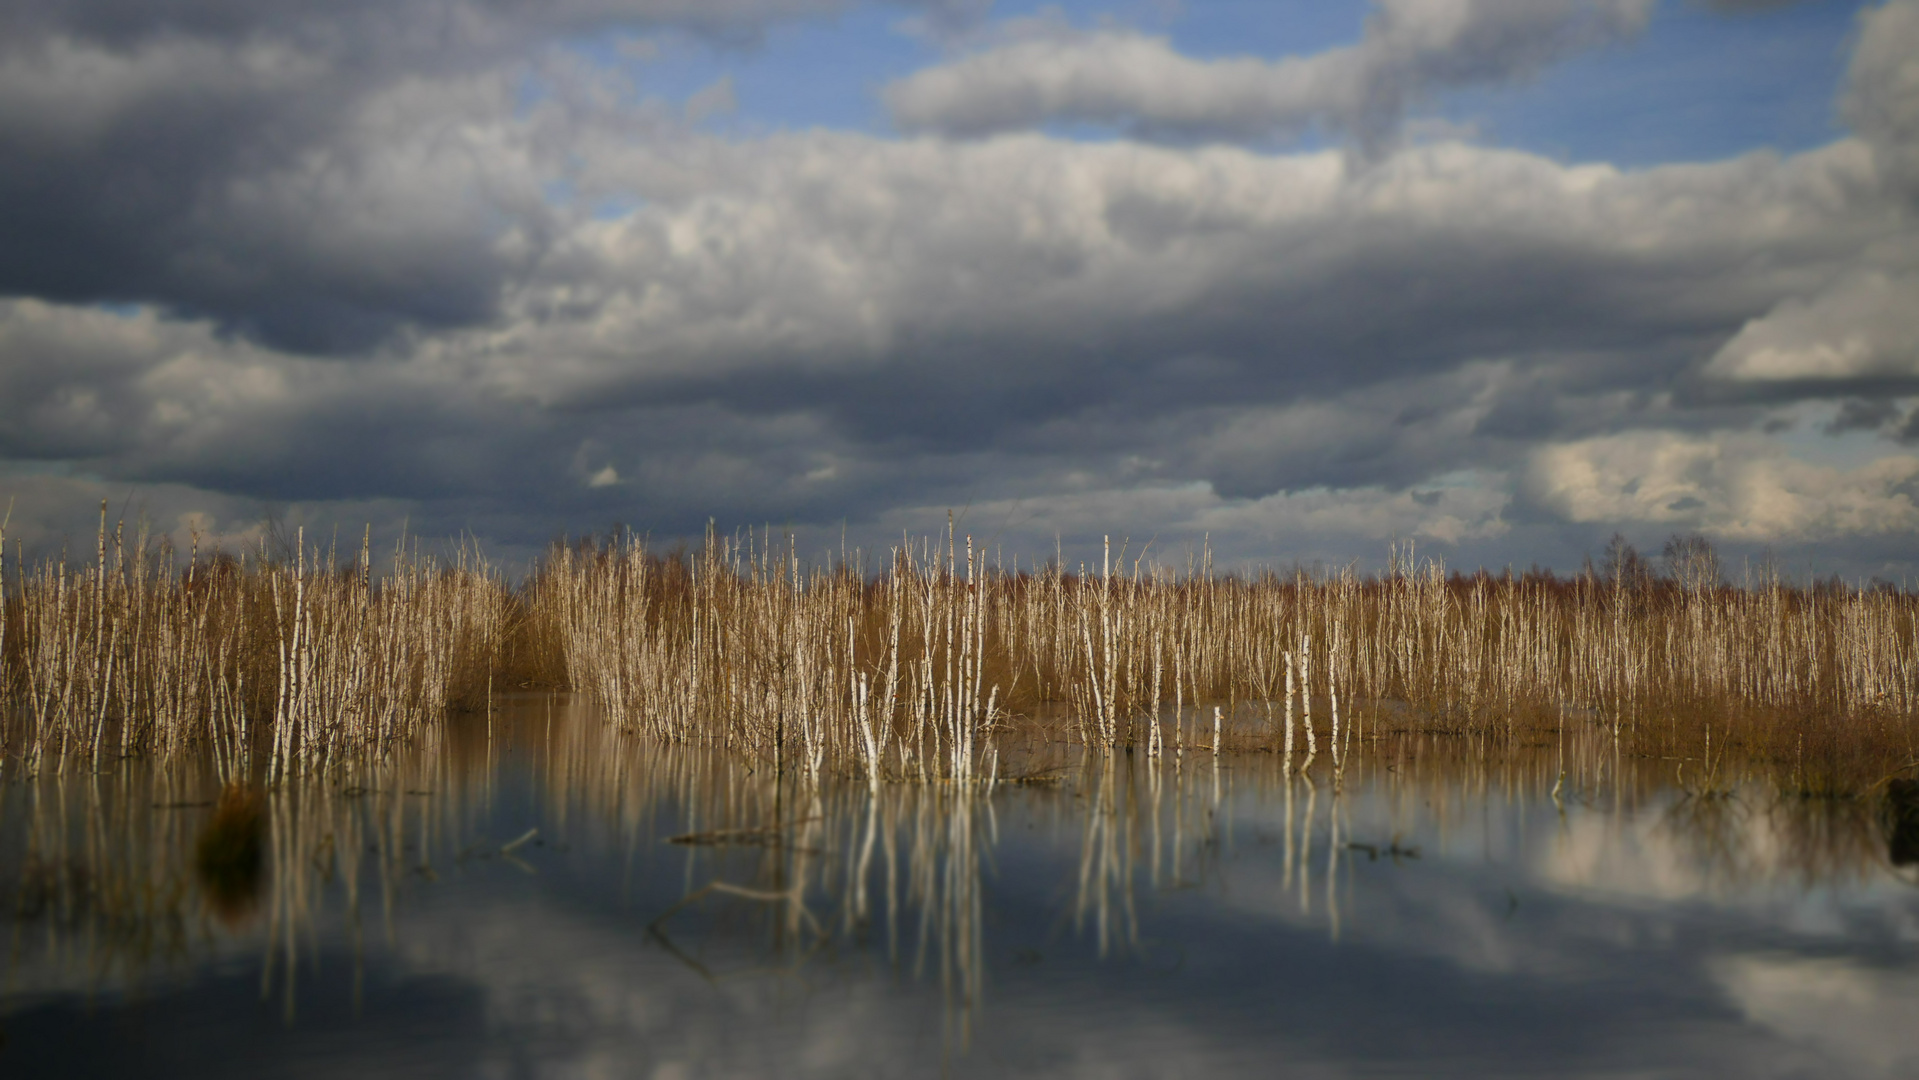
(492, 286)
(1856, 1016)
(1881, 101)
(277, 192)
(718, 99)
(56, 510)
(1739, 487)
(1259, 324)
(321, 177)
(1325, 524)
(820, 326)
(1864, 327)
(1881, 98)
(1141, 84)
(452, 29)
(1861, 414)
(1739, 7)
(1238, 274)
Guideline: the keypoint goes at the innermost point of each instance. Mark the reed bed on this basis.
(917, 671)
(924, 666)
(281, 665)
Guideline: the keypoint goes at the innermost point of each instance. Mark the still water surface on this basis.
(560, 900)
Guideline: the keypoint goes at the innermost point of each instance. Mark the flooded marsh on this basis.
(722, 813)
(535, 892)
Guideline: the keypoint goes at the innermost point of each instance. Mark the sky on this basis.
(1294, 280)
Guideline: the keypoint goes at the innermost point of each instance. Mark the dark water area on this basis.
(556, 899)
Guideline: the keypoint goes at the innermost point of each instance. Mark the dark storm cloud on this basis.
(136, 399)
(1889, 416)
(318, 176)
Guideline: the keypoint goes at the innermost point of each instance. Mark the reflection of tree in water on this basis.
(117, 875)
(1825, 841)
(1714, 827)
(1738, 837)
(784, 877)
(1106, 853)
(127, 874)
(1152, 820)
(900, 864)
(1899, 820)
(229, 858)
(105, 876)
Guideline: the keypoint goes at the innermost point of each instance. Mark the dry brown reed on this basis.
(923, 667)
(917, 671)
(282, 665)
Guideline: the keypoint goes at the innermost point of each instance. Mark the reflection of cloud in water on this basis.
(1840, 1009)
(1795, 859)
(1134, 919)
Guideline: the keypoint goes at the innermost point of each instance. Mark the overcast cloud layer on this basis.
(454, 264)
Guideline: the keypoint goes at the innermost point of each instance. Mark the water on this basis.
(517, 906)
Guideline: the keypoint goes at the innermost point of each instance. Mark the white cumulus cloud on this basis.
(1740, 487)
(1866, 326)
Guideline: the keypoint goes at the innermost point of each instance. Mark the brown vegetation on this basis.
(921, 669)
(916, 671)
(279, 665)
